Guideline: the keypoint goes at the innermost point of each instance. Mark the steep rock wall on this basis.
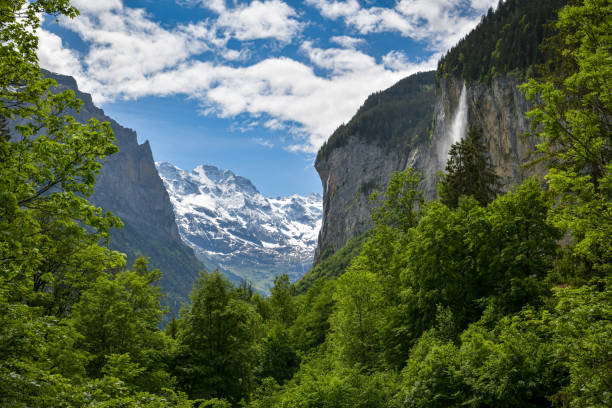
(349, 173)
(129, 186)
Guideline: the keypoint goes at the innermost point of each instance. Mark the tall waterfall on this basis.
(459, 126)
(455, 132)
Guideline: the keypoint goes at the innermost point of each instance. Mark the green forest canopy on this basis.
(504, 303)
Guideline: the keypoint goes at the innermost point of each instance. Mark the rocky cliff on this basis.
(476, 86)
(350, 172)
(129, 186)
(385, 136)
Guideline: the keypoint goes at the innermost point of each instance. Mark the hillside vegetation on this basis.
(486, 301)
(397, 118)
(505, 40)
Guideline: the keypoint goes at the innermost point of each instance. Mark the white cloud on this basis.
(263, 142)
(439, 23)
(53, 56)
(346, 41)
(96, 6)
(131, 56)
(267, 19)
(397, 60)
(483, 4)
(259, 20)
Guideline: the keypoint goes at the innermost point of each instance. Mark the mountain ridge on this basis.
(129, 186)
(227, 221)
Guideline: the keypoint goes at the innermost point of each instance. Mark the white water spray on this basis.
(455, 132)
(459, 127)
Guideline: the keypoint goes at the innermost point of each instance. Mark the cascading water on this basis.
(459, 126)
(457, 130)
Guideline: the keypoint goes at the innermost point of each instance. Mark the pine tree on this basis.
(468, 173)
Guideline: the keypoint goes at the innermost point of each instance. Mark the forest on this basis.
(480, 298)
(507, 40)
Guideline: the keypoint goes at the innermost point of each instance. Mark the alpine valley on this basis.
(459, 256)
(232, 227)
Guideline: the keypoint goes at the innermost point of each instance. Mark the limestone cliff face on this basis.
(498, 110)
(385, 136)
(129, 186)
(349, 176)
(351, 171)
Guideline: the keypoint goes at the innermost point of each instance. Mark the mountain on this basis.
(414, 123)
(360, 156)
(228, 222)
(128, 185)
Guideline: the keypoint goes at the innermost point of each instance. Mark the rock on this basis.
(352, 170)
(129, 186)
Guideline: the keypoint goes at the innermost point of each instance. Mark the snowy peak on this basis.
(226, 220)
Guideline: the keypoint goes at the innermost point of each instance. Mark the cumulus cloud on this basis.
(129, 55)
(97, 6)
(53, 56)
(267, 19)
(439, 23)
(259, 20)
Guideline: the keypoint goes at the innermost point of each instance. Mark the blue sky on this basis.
(251, 86)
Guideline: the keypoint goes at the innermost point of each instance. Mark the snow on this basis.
(235, 223)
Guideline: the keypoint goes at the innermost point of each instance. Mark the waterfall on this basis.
(457, 130)
(459, 126)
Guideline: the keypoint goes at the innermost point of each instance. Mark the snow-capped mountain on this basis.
(230, 224)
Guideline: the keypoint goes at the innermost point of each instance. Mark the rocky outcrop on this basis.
(498, 110)
(129, 186)
(385, 136)
(349, 175)
(351, 171)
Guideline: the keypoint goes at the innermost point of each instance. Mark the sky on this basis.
(251, 86)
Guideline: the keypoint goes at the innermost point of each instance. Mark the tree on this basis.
(49, 233)
(573, 119)
(357, 315)
(48, 165)
(282, 300)
(582, 323)
(399, 205)
(119, 316)
(216, 347)
(468, 173)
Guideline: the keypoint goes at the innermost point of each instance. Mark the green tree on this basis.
(311, 327)
(582, 323)
(357, 316)
(398, 206)
(278, 358)
(216, 351)
(282, 301)
(468, 172)
(573, 119)
(48, 165)
(119, 316)
(573, 109)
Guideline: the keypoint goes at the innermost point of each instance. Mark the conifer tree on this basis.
(468, 173)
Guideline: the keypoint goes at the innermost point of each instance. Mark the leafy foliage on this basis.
(478, 301)
(333, 265)
(216, 345)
